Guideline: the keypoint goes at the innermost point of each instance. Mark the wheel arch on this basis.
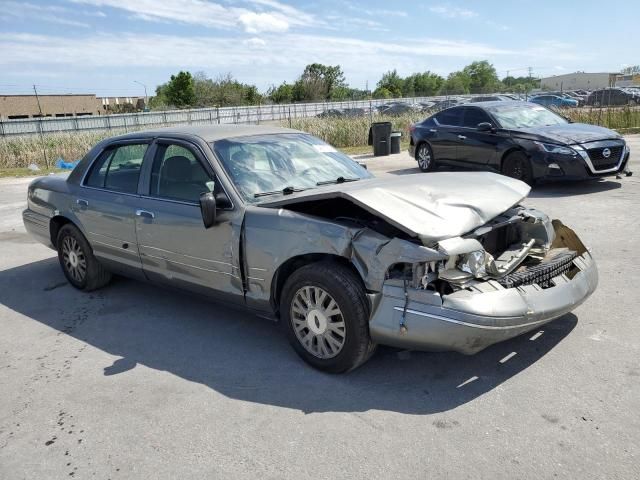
(55, 224)
(509, 151)
(292, 264)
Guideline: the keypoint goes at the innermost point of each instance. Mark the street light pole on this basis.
(146, 98)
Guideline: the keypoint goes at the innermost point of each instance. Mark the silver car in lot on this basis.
(281, 223)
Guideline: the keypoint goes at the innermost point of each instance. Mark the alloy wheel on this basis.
(74, 259)
(424, 157)
(318, 322)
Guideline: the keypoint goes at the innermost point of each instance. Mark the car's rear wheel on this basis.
(325, 312)
(517, 165)
(424, 156)
(81, 268)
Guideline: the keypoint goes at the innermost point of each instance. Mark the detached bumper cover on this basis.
(468, 322)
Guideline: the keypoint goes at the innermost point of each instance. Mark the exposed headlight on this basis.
(559, 149)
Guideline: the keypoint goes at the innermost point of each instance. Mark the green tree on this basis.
(424, 84)
(319, 82)
(457, 83)
(281, 94)
(391, 82)
(482, 77)
(179, 91)
(382, 92)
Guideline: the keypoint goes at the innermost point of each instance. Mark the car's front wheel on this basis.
(424, 156)
(81, 268)
(325, 312)
(517, 165)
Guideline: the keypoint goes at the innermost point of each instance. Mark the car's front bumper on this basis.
(468, 322)
(549, 167)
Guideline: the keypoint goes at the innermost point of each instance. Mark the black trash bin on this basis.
(395, 142)
(380, 134)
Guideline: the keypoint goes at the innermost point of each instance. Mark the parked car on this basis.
(611, 97)
(569, 95)
(400, 109)
(331, 113)
(554, 101)
(281, 223)
(520, 139)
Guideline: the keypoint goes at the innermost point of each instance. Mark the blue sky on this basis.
(102, 46)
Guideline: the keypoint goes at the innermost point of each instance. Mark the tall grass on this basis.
(20, 151)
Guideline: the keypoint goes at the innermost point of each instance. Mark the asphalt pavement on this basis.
(133, 381)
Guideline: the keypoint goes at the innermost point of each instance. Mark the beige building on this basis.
(579, 81)
(26, 106)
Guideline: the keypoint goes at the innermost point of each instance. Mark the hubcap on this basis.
(73, 258)
(318, 322)
(424, 158)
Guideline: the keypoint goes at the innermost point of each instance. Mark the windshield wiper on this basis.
(337, 180)
(284, 191)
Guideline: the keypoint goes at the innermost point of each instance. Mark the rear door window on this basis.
(118, 168)
(451, 117)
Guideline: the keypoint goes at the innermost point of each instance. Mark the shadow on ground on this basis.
(246, 358)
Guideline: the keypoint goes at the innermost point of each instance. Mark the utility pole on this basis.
(146, 98)
(44, 150)
(37, 100)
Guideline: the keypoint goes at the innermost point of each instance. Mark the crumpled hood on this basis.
(570, 133)
(431, 206)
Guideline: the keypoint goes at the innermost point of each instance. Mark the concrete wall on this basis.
(579, 80)
(15, 106)
(26, 106)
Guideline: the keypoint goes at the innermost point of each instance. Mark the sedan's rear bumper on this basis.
(37, 225)
(468, 322)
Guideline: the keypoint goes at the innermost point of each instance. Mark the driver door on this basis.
(175, 247)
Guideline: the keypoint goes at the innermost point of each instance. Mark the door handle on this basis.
(82, 203)
(145, 214)
(462, 137)
(433, 130)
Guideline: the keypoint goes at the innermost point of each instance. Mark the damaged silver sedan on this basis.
(280, 222)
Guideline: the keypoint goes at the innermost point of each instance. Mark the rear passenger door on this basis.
(445, 135)
(106, 201)
(175, 247)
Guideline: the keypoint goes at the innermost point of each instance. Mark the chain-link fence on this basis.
(201, 116)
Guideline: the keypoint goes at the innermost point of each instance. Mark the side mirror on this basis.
(485, 127)
(208, 209)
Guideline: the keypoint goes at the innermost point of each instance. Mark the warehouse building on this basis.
(579, 81)
(30, 106)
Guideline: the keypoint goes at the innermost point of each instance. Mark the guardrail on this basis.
(200, 116)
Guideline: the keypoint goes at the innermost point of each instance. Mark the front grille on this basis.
(541, 274)
(600, 162)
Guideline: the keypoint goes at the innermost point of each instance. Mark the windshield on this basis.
(525, 116)
(283, 163)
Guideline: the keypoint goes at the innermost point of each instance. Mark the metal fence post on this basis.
(1, 128)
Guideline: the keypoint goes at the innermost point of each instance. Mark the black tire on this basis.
(345, 288)
(424, 157)
(74, 249)
(517, 165)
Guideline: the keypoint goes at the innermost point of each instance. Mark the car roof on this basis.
(492, 103)
(211, 133)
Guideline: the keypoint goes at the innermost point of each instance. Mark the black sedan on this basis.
(519, 139)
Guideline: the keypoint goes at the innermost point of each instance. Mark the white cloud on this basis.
(263, 22)
(448, 11)
(254, 42)
(264, 15)
(46, 13)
